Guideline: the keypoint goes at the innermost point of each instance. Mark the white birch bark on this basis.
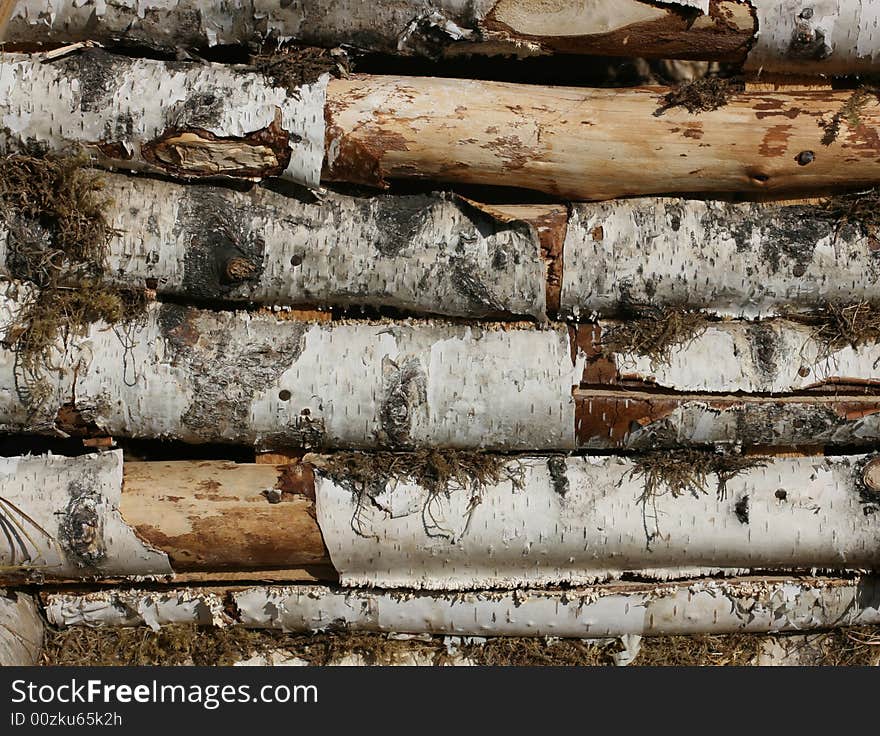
(420, 253)
(125, 607)
(737, 260)
(21, 630)
(580, 520)
(185, 120)
(61, 519)
(205, 376)
(688, 607)
(819, 37)
(709, 606)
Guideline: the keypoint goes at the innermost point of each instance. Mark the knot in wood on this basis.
(871, 474)
(239, 269)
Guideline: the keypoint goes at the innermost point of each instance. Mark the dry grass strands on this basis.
(677, 472)
(836, 326)
(188, 644)
(699, 650)
(653, 332)
(441, 472)
(701, 95)
(293, 66)
(861, 209)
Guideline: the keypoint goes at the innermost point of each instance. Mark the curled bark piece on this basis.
(738, 260)
(121, 607)
(421, 253)
(206, 376)
(184, 120)
(21, 630)
(580, 520)
(604, 143)
(60, 518)
(708, 606)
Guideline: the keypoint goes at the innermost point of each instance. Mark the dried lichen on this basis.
(699, 650)
(440, 472)
(293, 66)
(850, 111)
(54, 211)
(187, 644)
(677, 472)
(701, 95)
(653, 332)
(836, 326)
(856, 208)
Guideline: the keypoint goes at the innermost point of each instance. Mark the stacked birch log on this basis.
(511, 360)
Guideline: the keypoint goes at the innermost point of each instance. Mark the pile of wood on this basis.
(295, 346)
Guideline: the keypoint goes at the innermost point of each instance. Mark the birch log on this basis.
(580, 520)
(184, 120)
(203, 376)
(735, 260)
(547, 521)
(583, 143)
(193, 121)
(21, 630)
(619, 609)
(78, 517)
(825, 37)
(419, 254)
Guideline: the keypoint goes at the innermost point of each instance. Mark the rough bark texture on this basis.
(205, 376)
(689, 607)
(591, 143)
(576, 521)
(738, 260)
(61, 520)
(420, 254)
(768, 356)
(645, 420)
(21, 630)
(187, 120)
(827, 37)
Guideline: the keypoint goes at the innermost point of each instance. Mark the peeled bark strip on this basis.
(748, 605)
(204, 376)
(61, 519)
(738, 260)
(582, 143)
(645, 420)
(421, 253)
(21, 630)
(824, 37)
(768, 356)
(184, 120)
(580, 520)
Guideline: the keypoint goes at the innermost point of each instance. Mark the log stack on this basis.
(293, 345)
